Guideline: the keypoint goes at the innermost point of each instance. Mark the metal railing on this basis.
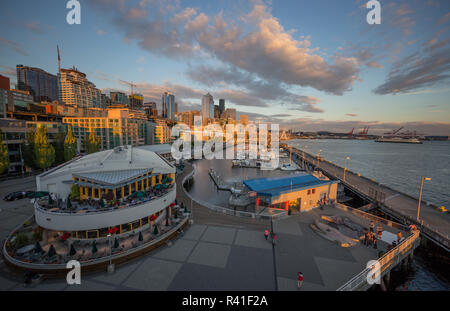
(387, 261)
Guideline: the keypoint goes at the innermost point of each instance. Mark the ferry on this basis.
(398, 140)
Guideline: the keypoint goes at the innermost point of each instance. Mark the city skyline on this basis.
(270, 58)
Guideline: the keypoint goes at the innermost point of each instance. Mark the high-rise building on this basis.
(221, 107)
(150, 110)
(230, 113)
(207, 107)
(105, 101)
(168, 106)
(243, 119)
(216, 112)
(136, 101)
(42, 85)
(76, 90)
(4, 83)
(119, 98)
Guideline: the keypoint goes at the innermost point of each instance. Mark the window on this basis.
(314, 191)
(309, 192)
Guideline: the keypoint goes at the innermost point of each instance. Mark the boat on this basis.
(398, 140)
(288, 167)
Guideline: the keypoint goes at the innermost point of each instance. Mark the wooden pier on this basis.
(434, 225)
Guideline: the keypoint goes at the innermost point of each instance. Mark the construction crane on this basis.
(364, 131)
(394, 132)
(130, 84)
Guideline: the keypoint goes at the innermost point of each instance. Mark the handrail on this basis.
(387, 260)
(121, 207)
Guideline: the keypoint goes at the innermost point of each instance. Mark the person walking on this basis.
(299, 280)
(375, 241)
(266, 234)
(372, 226)
(379, 231)
(274, 238)
(365, 236)
(369, 240)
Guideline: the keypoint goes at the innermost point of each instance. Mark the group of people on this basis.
(372, 236)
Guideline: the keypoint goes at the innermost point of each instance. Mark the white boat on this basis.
(288, 167)
(398, 140)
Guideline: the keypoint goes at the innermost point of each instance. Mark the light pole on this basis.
(420, 195)
(111, 266)
(317, 164)
(345, 166)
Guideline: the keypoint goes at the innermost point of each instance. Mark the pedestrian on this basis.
(369, 238)
(274, 238)
(266, 234)
(365, 236)
(375, 241)
(379, 231)
(299, 280)
(372, 226)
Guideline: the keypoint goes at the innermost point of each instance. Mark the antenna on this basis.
(59, 59)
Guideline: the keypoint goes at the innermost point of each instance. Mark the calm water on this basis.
(399, 166)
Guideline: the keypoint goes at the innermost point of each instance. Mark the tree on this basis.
(58, 144)
(28, 153)
(44, 151)
(70, 145)
(92, 143)
(4, 157)
(74, 192)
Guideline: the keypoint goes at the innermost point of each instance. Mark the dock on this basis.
(434, 225)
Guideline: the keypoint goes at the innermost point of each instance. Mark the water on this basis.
(399, 166)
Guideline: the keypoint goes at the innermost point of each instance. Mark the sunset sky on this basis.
(309, 65)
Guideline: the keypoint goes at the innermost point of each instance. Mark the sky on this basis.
(307, 65)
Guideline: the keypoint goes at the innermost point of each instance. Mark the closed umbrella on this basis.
(72, 250)
(141, 238)
(37, 247)
(102, 203)
(51, 251)
(116, 243)
(94, 247)
(156, 231)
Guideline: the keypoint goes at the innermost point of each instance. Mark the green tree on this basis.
(74, 192)
(58, 144)
(28, 153)
(44, 151)
(70, 145)
(92, 143)
(4, 157)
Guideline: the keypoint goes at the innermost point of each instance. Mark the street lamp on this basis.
(111, 266)
(420, 195)
(317, 164)
(345, 166)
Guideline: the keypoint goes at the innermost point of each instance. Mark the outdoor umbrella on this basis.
(141, 238)
(37, 247)
(116, 243)
(40, 194)
(158, 186)
(72, 250)
(94, 247)
(169, 179)
(172, 204)
(51, 251)
(140, 194)
(165, 186)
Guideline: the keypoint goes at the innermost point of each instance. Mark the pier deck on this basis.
(433, 224)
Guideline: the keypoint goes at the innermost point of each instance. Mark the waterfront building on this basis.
(136, 101)
(243, 119)
(4, 83)
(168, 106)
(43, 86)
(76, 90)
(295, 193)
(14, 134)
(162, 132)
(121, 126)
(207, 108)
(138, 180)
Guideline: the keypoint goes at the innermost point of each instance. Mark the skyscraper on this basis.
(168, 106)
(136, 101)
(221, 107)
(76, 90)
(119, 98)
(42, 85)
(207, 107)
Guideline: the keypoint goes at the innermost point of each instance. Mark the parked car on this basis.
(15, 196)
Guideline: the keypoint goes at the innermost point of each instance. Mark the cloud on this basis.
(34, 27)
(13, 45)
(8, 71)
(101, 32)
(374, 64)
(255, 42)
(444, 19)
(418, 70)
(351, 114)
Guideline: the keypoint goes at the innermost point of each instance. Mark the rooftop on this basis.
(285, 184)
